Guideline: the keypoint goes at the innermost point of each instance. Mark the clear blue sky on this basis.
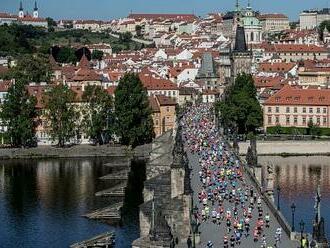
(109, 9)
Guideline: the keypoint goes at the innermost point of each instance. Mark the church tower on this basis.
(35, 10)
(241, 57)
(21, 10)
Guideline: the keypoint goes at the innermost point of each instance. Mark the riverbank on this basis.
(289, 148)
(77, 151)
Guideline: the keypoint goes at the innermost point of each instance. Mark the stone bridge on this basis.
(165, 213)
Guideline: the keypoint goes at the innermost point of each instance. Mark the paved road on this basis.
(223, 174)
(215, 233)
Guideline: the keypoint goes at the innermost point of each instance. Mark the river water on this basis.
(41, 203)
(298, 178)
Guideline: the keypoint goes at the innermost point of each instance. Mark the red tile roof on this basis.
(299, 48)
(272, 16)
(165, 100)
(267, 82)
(152, 83)
(276, 67)
(185, 17)
(289, 95)
(153, 104)
(5, 85)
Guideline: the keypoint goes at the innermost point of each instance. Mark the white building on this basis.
(24, 19)
(310, 19)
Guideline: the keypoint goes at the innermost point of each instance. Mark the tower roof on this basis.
(84, 63)
(240, 43)
(207, 68)
(35, 6)
(20, 6)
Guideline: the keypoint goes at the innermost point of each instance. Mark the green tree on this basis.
(323, 24)
(125, 37)
(97, 54)
(61, 113)
(31, 69)
(97, 114)
(51, 24)
(67, 55)
(138, 30)
(240, 108)
(19, 114)
(134, 125)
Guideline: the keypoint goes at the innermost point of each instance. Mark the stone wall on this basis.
(288, 148)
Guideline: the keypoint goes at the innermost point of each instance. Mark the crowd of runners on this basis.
(225, 197)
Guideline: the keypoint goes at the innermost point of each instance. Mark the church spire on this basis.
(237, 5)
(35, 6)
(249, 4)
(20, 6)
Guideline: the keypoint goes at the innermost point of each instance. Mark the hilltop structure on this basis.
(24, 18)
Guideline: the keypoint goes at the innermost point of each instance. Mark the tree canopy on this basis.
(240, 108)
(324, 24)
(31, 68)
(134, 125)
(97, 54)
(61, 113)
(19, 114)
(98, 117)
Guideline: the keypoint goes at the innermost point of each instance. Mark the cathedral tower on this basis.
(21, 10)
(35, 10)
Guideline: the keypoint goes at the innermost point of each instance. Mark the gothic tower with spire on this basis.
(21, 10)
(241, 56)
(35, 10)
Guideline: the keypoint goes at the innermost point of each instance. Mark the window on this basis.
(304, 120)
(318, 120)
(295, 109)
(288, 120)
(304, 110)
(318, 110)
(288, 109)
(269, 119)
(277, 109)
(277, 119)
(324, 120)
(311, 119)
(269, 109)
(295, 120)
(167, 109)
(156, 122)
(310, 110)
(324, 110)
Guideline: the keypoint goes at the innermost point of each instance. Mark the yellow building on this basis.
(163, 113)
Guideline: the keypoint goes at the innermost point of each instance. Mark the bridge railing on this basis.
(270, 204)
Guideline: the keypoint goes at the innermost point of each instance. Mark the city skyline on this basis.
(107, 10)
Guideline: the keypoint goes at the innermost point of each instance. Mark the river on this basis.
(41, 203)
(298, 178)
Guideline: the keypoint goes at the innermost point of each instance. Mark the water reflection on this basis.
(298, 178)
(41, 202)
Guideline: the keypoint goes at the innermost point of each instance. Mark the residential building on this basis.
(158, 86)
(296, 52)
(274, 22)
(163, 113)
(314, 73)
(91, 25)
(310, 19)
(296, 107)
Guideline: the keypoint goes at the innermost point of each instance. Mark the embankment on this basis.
(289, 148)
